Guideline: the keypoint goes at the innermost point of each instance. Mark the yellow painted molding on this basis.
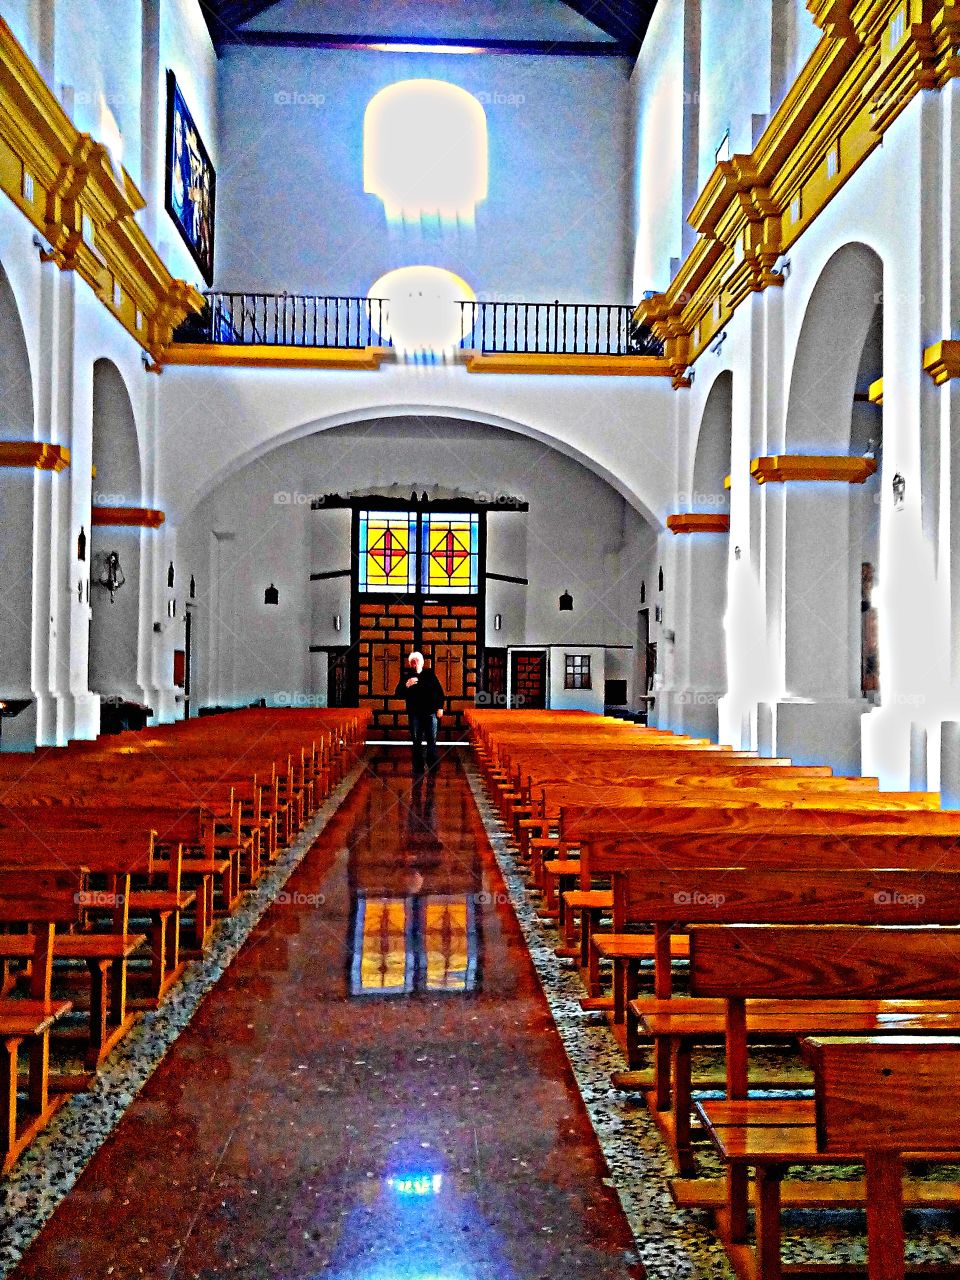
(753, 208)
(875, 392)
(227, 355)
(942, 361)
(34, 453)
(783, 467)
(65, 184)
(726, 482)
(143, 517)
(546, 362)
(699, 522)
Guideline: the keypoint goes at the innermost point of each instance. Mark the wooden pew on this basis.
(843, 966)
(41, 901)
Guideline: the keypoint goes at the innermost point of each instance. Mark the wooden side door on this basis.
(528, 679)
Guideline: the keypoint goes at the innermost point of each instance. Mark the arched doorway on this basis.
(707, 565)
(115, 622)
(18, 581)
(832, 528)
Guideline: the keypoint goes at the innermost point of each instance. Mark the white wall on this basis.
(579, 534)
(561, 699)
(293, 214)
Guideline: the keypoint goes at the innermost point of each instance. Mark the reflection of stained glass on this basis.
(386, 543)
(450, 553)
(383, 961)
(403, 945)
(446, 944)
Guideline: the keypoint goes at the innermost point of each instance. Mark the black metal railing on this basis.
(556, 328)
(288, 320)
(317, 320)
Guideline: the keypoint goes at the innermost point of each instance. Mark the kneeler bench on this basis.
(677, 1030)
(880, 1103)
(106, 956)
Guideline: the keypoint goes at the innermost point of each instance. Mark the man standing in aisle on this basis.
(424, 696)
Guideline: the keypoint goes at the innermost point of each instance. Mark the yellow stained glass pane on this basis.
(449, 554)
(384, 959)
(447, 945)
(388, 553)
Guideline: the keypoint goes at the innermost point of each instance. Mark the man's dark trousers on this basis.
(423, 727)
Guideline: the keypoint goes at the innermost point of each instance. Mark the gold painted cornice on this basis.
(875, 392)
(579, 365)
(942, 361)
(226, 355)
(754, 207)
(65, 184)
(142, 517)
(699, 522)
(783, 467)
(34, 453)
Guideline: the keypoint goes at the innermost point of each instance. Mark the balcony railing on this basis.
(287, 320)
(309, 320)
(555, 328)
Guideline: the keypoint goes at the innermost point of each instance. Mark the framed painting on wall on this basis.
(191, 183)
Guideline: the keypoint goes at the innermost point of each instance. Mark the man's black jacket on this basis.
(426, 697)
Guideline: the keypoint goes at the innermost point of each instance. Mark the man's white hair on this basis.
(416, 654)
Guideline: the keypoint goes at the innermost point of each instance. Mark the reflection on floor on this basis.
(374, 1091)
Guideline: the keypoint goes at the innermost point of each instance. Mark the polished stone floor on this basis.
(375, 1090)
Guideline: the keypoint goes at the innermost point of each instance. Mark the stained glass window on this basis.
(450, 553)
(576, 674)
(388, 542)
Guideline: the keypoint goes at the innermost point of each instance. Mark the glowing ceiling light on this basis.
(425, 150)
(422, 311)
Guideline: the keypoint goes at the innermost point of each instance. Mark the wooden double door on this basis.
(444, 631)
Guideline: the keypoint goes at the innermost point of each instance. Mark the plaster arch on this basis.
(115, 623)
(356, 417)
(706, 565)
(830, 528)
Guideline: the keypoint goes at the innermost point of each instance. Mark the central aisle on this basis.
(374, 1091)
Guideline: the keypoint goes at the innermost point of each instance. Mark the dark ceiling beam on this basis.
(625, 20)
(311, 40)
(224, 17)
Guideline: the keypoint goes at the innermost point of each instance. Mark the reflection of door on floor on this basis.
(528, 679)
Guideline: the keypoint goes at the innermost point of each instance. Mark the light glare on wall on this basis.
(421, 311)
(425, 150)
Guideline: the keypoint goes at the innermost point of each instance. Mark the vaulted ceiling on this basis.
(595, 28)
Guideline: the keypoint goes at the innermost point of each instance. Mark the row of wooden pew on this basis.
(804, 910)
(116, 859)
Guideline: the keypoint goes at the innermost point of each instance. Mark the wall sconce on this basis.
(81, 545)
(193, 587)
(497, 621)
(337, 622)
(170, 575)
(271, 595)
(736, 553)
(658, 614)
(566, 602)
(171, 608)
(899, 491)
